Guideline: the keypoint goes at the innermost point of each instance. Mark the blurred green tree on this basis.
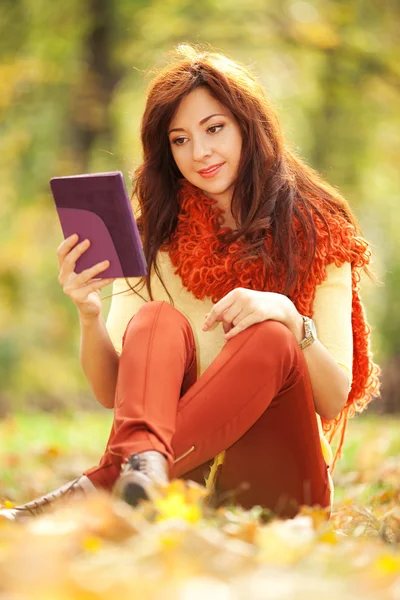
(72, 90)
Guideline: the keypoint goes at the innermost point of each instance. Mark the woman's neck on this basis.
(229, 221)
(223, 201)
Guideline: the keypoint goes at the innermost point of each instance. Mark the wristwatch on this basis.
(309, 331)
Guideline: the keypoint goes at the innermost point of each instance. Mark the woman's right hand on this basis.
(83, 288)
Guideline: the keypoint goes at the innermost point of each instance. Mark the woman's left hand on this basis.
(241, 308)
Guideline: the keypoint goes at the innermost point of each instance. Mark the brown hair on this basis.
(273, 185)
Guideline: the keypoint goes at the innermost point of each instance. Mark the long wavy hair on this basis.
(273, 186)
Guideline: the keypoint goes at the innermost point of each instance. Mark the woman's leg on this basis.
(257, 392)
(256, 372)
(277, 463)
(157, 366)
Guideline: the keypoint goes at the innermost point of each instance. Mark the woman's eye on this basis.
(179, 141)
(215, 128)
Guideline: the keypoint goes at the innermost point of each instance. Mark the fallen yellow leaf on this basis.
(92, 544)
(174, 505)
(388, 564)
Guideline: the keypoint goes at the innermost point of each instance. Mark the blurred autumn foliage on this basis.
(72, 91)
(180, 547)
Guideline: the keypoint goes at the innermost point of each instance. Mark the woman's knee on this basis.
(274, 333)
(160, 312)
(163, 309)
(273, 338)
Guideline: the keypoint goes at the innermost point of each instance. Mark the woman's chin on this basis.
(215, 188)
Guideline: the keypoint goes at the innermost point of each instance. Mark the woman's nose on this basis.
(201, 150)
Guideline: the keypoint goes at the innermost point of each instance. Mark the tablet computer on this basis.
(96, 206)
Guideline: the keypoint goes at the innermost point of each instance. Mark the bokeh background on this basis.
(72, 90)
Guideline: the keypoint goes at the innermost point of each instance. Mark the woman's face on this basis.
(206, 143)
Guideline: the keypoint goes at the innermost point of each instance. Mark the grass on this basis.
(41, 451)
(370, 462)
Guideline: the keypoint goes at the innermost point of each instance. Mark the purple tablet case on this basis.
(97, 207)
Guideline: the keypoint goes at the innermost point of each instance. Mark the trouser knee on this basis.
(275, 333)
(158, 310)
(273, 340)
(161, 309)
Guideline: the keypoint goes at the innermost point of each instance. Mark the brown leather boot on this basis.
(142, 476)
(81, 486)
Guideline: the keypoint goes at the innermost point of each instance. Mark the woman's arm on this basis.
(329, 382)
(101, 342)
(329, 359)
(99, 358)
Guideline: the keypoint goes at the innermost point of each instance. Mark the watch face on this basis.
(313, 329)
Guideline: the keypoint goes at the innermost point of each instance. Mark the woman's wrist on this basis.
(293, 320)
(87, 320)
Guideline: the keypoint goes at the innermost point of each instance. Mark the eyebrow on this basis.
(201, 122)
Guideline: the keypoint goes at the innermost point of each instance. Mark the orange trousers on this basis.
(254, 401)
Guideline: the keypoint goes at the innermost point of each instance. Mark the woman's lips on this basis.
(211, 171)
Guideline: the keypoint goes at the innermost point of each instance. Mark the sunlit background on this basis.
(72, 90)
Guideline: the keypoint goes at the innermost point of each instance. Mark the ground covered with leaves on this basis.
(179, 547)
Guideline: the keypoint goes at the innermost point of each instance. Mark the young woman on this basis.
(247, 341)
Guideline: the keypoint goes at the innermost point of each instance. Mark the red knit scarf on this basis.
(206, 269)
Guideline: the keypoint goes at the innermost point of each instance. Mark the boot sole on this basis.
(133, 493)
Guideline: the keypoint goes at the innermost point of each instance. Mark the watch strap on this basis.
(309, 337)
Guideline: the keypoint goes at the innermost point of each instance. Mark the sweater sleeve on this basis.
(332, 315)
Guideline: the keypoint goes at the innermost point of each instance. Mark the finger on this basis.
(95, 279)
(234, 298)
(218, 309)
(213, 325)
(88, 274)
(99, 285)
(227, 326)
(68, 265)
(80, 295)
(239, 317)
(250, 319)
(234, 314)
(65, 246)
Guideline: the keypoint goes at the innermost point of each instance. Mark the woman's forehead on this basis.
(197, 105)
